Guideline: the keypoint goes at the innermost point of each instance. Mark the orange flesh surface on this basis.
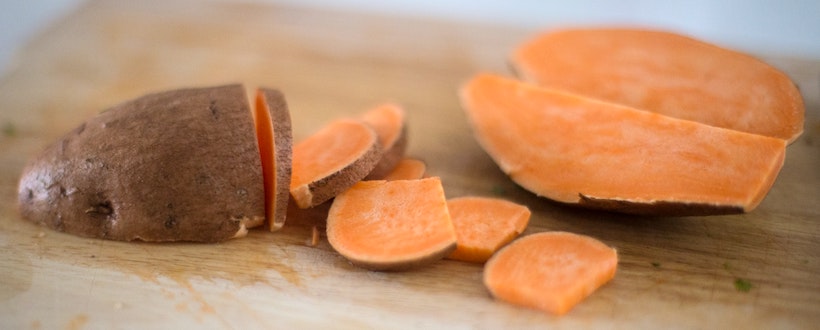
(386, 223)
(668, 74)
(407, 169)
(330, 150)
(561, 145)
(388, 121)
(550, 271)
(483, 225)
(264, 135)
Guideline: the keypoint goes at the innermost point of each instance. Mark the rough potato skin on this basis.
(180, 165)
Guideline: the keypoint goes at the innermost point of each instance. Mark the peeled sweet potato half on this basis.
(181, 165)
(666, 73)
(582, 151)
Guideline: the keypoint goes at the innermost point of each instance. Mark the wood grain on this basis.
(674, 272)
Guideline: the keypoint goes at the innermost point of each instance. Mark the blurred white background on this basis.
(788, 28)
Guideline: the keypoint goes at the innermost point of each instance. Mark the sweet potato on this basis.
(389, 123)
(550, 271)
(331, 160)
(391, 225)
(407, 169)
(273, 132)
(483, 225)
(666, 73)
(181, 165)
(582, 151)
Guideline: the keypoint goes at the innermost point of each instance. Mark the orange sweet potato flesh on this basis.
(483, 225)
(273, 132)
(331, 160)
(582, 151)
(391, 225)
(666, 73)
(388, 120)
(550, 271)
(407, 169)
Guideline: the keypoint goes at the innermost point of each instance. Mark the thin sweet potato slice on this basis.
(391, 225)
(666, 73)
(483, 225)
(407, 169)
(331, 160)
(577, 150)
(388, 120)
(273, 132)
(551, 271)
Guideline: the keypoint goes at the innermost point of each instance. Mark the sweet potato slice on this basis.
(331, 160)
(483, 225)
(551, 271)
(388, 120)
(391, 225)
(181, 165)
(407, 169)
(582, 151)
(666, 73)
(273, 132)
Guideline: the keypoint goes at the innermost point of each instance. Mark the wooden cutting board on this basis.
(674, 272)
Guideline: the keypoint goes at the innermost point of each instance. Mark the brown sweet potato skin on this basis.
(180, 165)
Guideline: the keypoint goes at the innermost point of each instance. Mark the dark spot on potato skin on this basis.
(170, 222)
(214, 110)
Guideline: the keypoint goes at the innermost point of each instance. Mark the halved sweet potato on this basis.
(666, 73)
(181, 165)
(578, 150)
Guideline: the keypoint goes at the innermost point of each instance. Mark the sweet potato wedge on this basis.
(582, 151)
(666, 73)
(181, 165)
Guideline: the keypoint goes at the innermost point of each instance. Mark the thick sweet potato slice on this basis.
(483, 225)
(389, 123)
(577, 150)
(550, 271)
(273, 132)
(391, 225)
(407, 169)
(666, 73)
(181, 165)
(331, 160)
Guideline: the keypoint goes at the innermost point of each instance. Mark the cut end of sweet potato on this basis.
(392, 225)
(582, 151)
(667, 73)
(388, 120)
(273, 132)
(483, 225)
(331, 160)
(551, 271)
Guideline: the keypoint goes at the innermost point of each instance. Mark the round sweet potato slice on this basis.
(181, 165)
